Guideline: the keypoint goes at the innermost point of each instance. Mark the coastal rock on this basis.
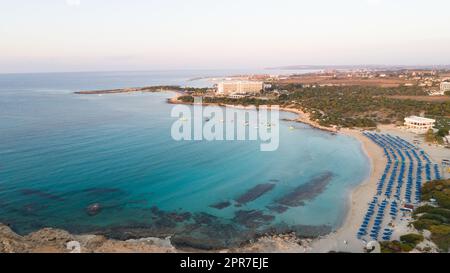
(275, 244)
(50, 235)
(50, 240)
(10, 242)
(56, 241)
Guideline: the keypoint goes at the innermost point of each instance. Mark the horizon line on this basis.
(268, 68)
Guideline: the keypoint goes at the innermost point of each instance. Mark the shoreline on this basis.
(302, 116)
(343, 239)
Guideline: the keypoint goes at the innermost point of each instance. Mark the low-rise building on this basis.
(419, 125)
(445, 86)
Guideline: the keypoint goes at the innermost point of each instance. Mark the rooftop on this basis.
(419, 119)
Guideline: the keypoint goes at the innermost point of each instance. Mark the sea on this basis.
(107, 164)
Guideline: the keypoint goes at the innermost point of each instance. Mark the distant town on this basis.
(415, 99)
(434, 82)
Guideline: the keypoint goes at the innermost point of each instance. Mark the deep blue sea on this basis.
(108, 165)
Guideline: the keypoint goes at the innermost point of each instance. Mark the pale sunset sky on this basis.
(91, 35)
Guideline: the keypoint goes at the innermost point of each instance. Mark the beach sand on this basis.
(436, 152)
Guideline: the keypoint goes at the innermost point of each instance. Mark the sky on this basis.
(118, 35)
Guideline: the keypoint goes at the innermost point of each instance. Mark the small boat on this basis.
(291, 128)
(183, 119)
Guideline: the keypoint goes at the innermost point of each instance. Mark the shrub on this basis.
(422, 224)
(395, 247)
(442, 212)
(439, 218)
(186, 99)
(411, 239)
(434, 219)
(440, 234)
(423, 209)
(440, 190)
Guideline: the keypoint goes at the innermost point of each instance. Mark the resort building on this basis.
(419, 125)
(241, 87)
(445, 86)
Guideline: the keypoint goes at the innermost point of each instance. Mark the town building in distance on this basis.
(419, 125)
(239, 87)
(445, 86)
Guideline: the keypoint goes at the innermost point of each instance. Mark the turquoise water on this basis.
(61, 153)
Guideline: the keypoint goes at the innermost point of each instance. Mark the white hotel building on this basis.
(239, 87)
(419, 125)
(445, 86)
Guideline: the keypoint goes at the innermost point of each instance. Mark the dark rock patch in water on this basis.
(41, 194)
(210, 232)
(255, 192)
(277, 208)
(136, 231)
(307, 231)
(168, 219)
(221, 205)
(187, 241)
(93, 209)
(179, 217)
(252, 218)
(32, 208)
(203, 218)
(210, 238)
(306, 192)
